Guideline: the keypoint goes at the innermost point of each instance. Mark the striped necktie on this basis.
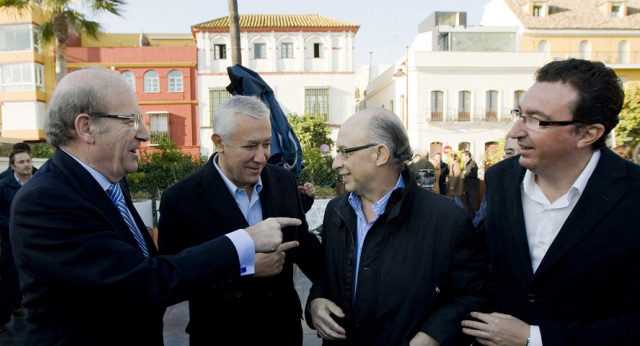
(117, 197)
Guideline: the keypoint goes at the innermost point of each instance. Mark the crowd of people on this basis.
(549, 257)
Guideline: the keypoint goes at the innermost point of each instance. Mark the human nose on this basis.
(261, 154)
(518, 130)
(142, 134)
(337, 162)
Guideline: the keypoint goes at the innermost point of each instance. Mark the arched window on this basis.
(175, 81)
(585, 50)
(130, 78)
(436, 105)
(151, 82)
(543, 47)
(464, 106)
(623, 52)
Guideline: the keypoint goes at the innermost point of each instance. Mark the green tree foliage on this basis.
(628, 130)
(161, 168)
(312, 132)
(42, 150)
(63, 17)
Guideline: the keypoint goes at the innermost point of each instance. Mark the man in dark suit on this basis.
(402, 264)
(236, 188)
(560, 223)
(18, 147)
(471, 183)
(88, 269)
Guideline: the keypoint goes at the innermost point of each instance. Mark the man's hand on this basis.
(422, 339)
(328, 329)
(307, 189)
(271, 264)
(496, 329)
(267, 234)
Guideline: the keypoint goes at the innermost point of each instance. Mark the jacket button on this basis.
(531, 298)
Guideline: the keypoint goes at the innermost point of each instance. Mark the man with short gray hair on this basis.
(402, 264)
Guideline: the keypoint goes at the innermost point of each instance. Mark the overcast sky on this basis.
(386, 26)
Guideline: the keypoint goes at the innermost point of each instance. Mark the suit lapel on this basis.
(270, 201)
(605, 188)
(518, 231)
(214, 192)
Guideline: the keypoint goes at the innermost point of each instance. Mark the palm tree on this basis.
(62, 19)
(234, 32)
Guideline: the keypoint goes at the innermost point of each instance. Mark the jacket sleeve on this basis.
(468, 288)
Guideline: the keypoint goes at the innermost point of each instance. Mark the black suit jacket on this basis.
(84, 278)
(586, 290)
(251, 311)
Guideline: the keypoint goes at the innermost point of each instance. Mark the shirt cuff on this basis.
(535, 337)
(246, 251)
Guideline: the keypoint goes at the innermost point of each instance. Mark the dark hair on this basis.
(600, 93)
(22, 147)
(12, 156)
(466, 152)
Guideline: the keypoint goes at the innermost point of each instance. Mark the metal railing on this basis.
(466, 115)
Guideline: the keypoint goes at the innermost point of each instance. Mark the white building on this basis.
(306, 59)
(461, 84)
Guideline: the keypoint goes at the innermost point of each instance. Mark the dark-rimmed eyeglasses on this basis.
(135, 118)
(534, 123)
(344, 152)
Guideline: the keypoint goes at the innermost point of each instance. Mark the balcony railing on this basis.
(466, 115)
(607, 57)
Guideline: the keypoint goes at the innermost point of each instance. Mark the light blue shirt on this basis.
(364, 226)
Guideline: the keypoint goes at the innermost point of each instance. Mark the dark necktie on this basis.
(117, 197)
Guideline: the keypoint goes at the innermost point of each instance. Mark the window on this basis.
(259, 51)
(492, 105)
(517, 97)
(15, 38)
(21, 77)
(158, 127)
(464, 106)
(219, 51)
(391, 105)
(623, 52)
(616, 11)
(130, 78)
(317, 50)
(216, 97)
(537, 11)
(175, 81)
(436, 105)
(151, 82)
(543, 47)
(585, 50)
(286, 50)
(316, 102)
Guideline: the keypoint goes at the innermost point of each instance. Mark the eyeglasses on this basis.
(344, 152)
(136, 118)
(534, 124)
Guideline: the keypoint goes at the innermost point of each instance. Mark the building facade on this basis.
(306, 59)
(161, 69)
(27, 75)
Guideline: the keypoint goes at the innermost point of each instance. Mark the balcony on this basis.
(465, 115)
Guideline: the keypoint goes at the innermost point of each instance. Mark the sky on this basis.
(387, 27)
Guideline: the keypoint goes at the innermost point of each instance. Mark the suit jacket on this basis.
(200, 207)
(585, 291)
(421, 269)
(8, 189)
(84, 278)
(470, 176)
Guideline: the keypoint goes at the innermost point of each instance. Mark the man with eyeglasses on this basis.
(560, 227)
(402, 264)
(89, 270)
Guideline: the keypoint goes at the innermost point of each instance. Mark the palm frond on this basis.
(81, 24)
(44, 32)
(111, 6)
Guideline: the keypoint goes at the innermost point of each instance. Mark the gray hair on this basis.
(386, 128)
(225, 121)
(83, 91)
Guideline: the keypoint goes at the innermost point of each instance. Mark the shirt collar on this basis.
(15, 176)
(230, 185)
(530, 187)
(101, 179)
(379, 206)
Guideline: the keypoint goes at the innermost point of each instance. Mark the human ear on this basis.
(382, 155)
(85, 128)
(217, 141)
(590, 134)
